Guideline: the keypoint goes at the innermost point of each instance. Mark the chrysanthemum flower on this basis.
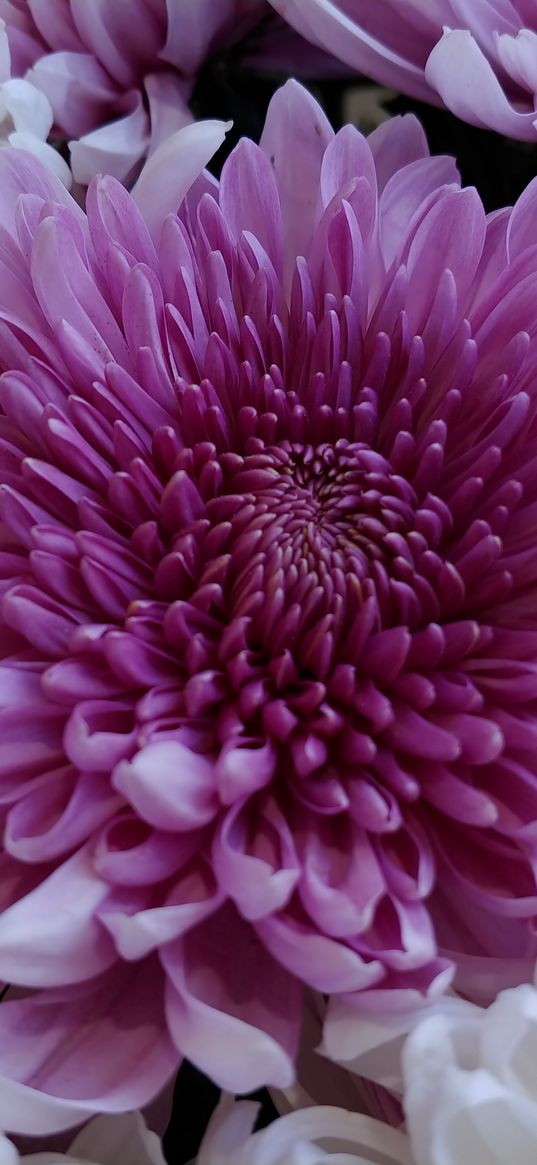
(119, 75)
(477, 56)
(268, 695)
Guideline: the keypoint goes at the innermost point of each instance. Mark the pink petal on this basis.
(169, 786)
(77, 87)
(294, 138)
(193, 896)
(328, 26)
(395, 144)
(467, 84)
(53, 1073)
(238, 1022)
(172, 169)
(22, 173)
(51, 936)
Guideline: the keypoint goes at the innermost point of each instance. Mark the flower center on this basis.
(330, 508)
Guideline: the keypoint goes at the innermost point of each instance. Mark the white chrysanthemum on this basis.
(26, 119)
(471, 1084)
(124, 1139)
(321, 1135)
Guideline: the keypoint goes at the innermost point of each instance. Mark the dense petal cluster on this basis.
(477, 56)
(119, 76)
(268, 692)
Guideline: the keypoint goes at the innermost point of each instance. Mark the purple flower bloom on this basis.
(479, 57)
(119, 76)
(268, 694)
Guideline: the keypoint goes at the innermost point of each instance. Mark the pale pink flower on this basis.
(26, 116)
(477, 56)
(119, 75)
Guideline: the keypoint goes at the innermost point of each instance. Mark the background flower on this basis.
(480, 58)
(26, 116)
(105, 1140)
(119, 76)
(319, 1135)
(268, 573)
(470, 1089)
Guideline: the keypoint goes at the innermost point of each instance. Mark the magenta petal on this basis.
(320, 961)
(521, 232)
(193, 896)
(260, 877)
(52, 1069)
(240, 1025)
(170, 786)
(294, 138)
(404, 197)
(58, 815)
(249, 200)
(395, 144)
(22, 173)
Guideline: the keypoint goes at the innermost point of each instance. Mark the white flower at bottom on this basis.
(470, 1098)
(320, 1135)
(105, 1140)
(471, 1084)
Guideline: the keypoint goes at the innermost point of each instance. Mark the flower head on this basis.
(119, 76)
(268, 573)
(479, 59)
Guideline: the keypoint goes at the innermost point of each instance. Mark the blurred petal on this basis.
(467, 84)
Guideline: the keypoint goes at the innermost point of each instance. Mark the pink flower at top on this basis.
(268, 571)
(119, 75)
(479, 57)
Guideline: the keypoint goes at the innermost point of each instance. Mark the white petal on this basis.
(350, 1136)
(8, 1152)
(112, 1140)
(28, 108)
(5, 64)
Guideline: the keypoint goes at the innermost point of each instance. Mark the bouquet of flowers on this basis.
(268, 582)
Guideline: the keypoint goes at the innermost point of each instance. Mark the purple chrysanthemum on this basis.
(119, 76)
(479, 57)
(268, 695)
